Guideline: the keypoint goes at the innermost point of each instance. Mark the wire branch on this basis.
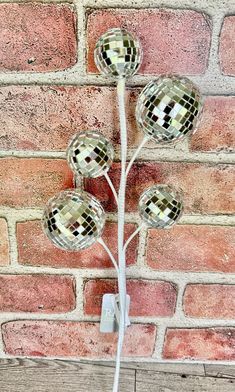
(144, 141)
(101, 241)
(132, 236)
(109, 181)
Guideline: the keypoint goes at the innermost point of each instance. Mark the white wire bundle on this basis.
(120, 199)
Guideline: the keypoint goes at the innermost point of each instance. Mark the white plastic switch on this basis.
(110, 313)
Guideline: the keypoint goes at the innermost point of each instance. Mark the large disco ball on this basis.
(118, 53)
(160, 206)
(73, 220)
(90, 154)
(168, 108)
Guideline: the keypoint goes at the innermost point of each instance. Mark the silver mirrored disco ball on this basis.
(168, 108)
(73, 220)
(118, 53)
(90, 154)
(160, 206)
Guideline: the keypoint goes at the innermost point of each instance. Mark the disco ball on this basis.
(160, 206)
(73, 220)
(168, 108)
(118, 53)
(90, 154)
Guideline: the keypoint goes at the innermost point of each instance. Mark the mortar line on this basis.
(80, 36)
(133, 272)
(142, 246)
(26, 215)
(147, 155)
(161, 330)
(12, 240)
(201, 6)
(173, 322)
(209, 84)
(79, 310)
(180, 298)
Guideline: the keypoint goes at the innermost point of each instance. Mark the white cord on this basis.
(144, 141)
(101, 241)
(121, 222)
(132, 236)
(111, 186)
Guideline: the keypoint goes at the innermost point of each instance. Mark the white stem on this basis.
(121, 222)
(101, 241)
(132, 236)
(111, 186)
(144, 141)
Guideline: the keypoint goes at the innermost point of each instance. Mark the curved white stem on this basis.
(101, 241)
(144, 141)
(111, 186)
(121, 222)
(132, 236)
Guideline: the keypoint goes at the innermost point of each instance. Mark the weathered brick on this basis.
(35, 249)
(173, 40)
(37, 293)
(76, 339)
(227, 46)
(192, 248)
(148, 298)
(31, 182)
(37, 37)
(46, 117)
(207, 188)
(216, 129)
(210, 300)
(200, 344)
(4, 243)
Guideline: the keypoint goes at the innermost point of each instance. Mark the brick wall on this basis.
(182, 281)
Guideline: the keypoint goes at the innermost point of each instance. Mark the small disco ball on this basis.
(73, 220)
(90, 154)
(118, 53)
(160, 206)
(168, 108)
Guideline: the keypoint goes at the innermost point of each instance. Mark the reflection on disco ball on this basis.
(73, 220)
(168, 108)
(90, 154)
(160, 206)
(118, 53)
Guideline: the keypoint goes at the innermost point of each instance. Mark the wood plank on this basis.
(175, 368)
(41, 375)
(148, 381)
(227, 371)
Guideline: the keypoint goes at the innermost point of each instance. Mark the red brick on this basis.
(37, 293)
(76, 339)
(35, 249)
(45, 118)
(173, 40)
(4, 243)
(192, 248)
(37, 37)
(207, 188)
(210, 301)
(216, 129)
(227, 46)
(31, 182)
(200, 344)
(148, 298)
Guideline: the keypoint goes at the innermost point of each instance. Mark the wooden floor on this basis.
(27, 375)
